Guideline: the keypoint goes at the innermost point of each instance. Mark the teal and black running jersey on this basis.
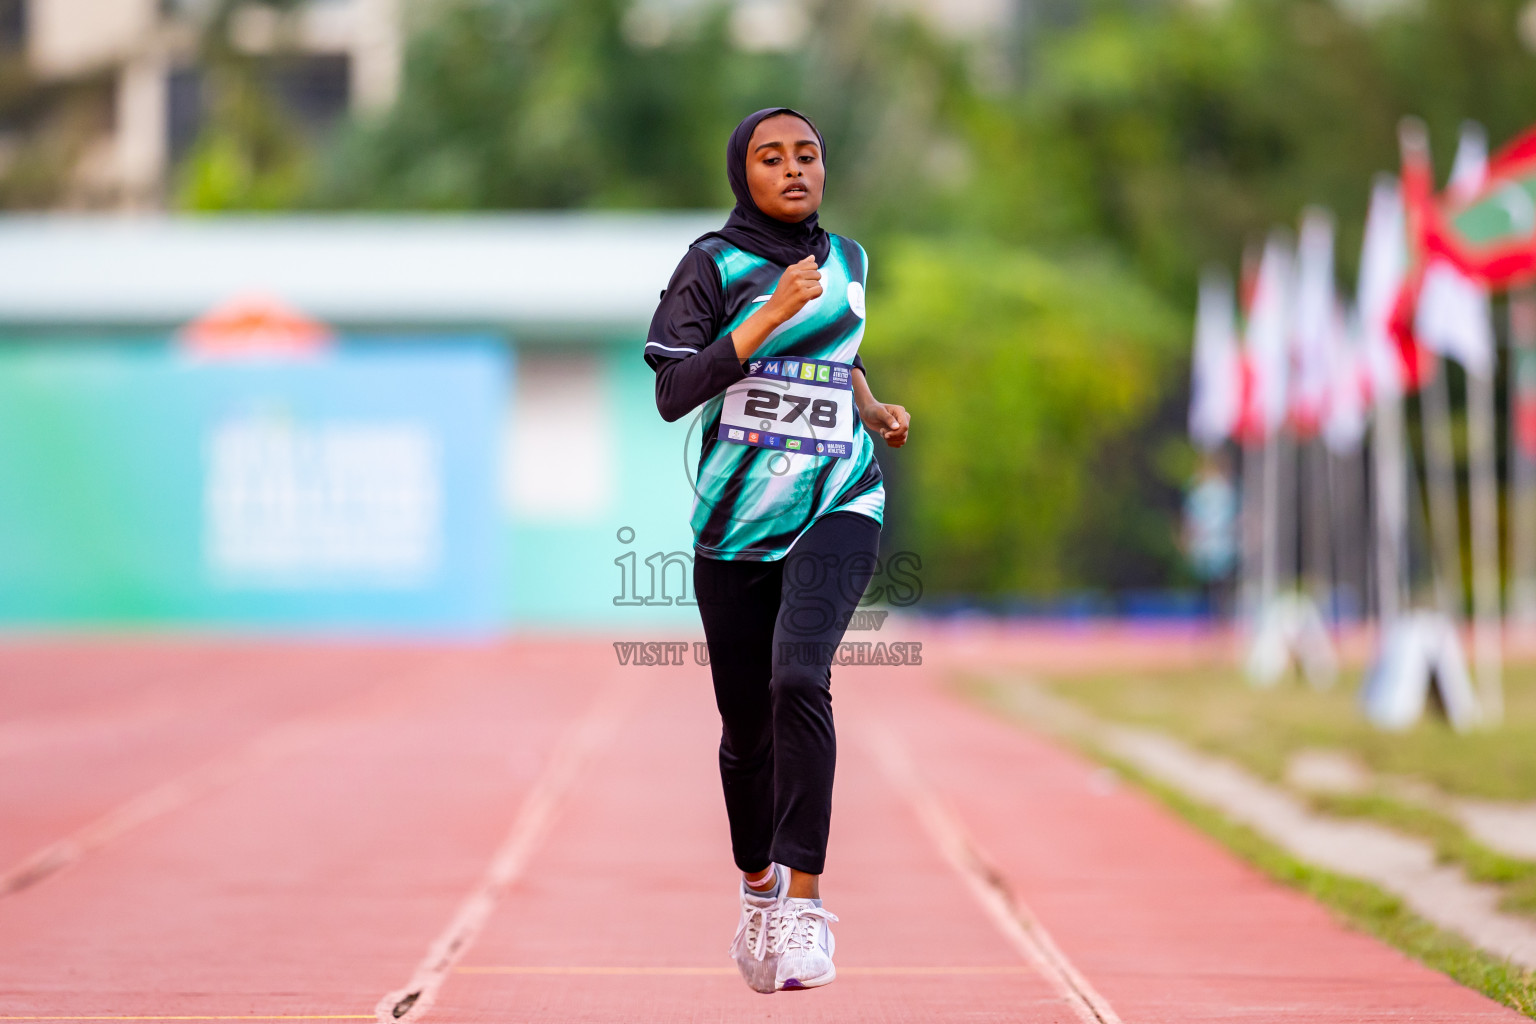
(750, 503)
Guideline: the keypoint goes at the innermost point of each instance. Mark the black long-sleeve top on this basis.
(692, 364)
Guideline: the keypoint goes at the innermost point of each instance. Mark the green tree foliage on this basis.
(543, 104)
(1020, 377)
(1037, 204)
(540, 104)
(250, 155)
(1180, 131)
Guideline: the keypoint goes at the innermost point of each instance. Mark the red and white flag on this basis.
(1454, 316)
(1266, 343)
(1216, 386)
(1489, 231)
(1313, 331)
(1383, 267)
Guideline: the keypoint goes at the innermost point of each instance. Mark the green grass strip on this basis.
(1516, 877)
(1357, 903)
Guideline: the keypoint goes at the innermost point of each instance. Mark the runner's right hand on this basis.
(799, 284)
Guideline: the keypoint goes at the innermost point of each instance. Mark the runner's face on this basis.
(784, 170)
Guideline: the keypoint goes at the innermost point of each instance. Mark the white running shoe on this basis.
(750, 949)
(802, 939)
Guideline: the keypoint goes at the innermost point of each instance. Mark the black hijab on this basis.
(748, 227)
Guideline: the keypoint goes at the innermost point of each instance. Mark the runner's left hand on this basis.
(889, 421)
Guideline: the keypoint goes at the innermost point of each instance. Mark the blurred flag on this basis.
(1216, 396)
(1266, 343)
(1470, 170)
(1383, 267)
(1453, 315)
(1418, 211)
(1313, 335)
(1489, 232)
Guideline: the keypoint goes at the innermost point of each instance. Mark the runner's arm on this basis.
(889, 421)
(691, 365)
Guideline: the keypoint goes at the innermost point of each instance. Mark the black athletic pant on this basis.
(772, 629)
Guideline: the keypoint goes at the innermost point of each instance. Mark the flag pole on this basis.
(1487, 634)
(1289, 513)
(1351, 554)
(1251, 536)
(1269, 563)
(1380, 280)
(1313, 340)
(1444, 505)
(1391, 501)
(1522, 460)
(1444, 509)
(1318, 529)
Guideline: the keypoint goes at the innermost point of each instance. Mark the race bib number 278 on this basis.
(792, 405)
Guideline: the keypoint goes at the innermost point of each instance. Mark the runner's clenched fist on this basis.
(799, 284)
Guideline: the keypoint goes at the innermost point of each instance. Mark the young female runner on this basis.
(761, 324)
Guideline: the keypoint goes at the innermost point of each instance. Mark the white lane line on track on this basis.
(985, 882)
(534, 816)
(275, 743)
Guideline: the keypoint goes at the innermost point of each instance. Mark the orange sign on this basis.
(255, 325)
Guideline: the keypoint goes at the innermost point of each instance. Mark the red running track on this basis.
(530, 832)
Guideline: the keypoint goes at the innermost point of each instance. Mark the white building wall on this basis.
(142, 141)
(370, 32)
(141, 44)
(70, 37)
(965, 19)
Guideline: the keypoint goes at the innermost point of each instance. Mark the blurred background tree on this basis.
(1037, 204)
(250, 154)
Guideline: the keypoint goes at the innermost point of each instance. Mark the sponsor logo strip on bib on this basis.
(802, 406)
